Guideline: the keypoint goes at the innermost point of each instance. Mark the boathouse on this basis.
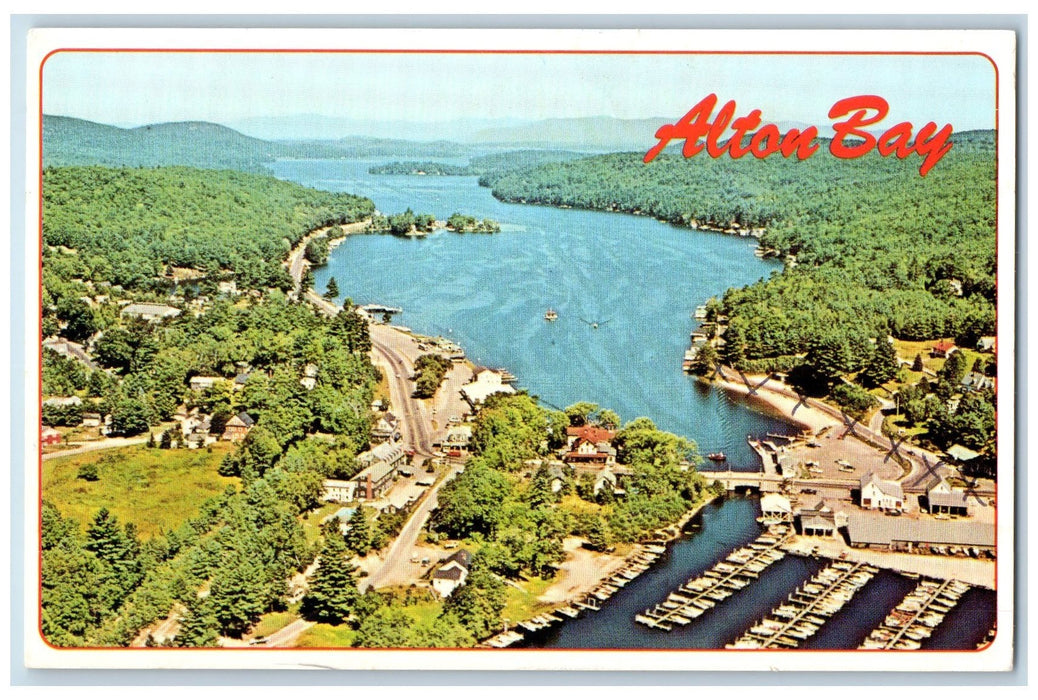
(775, 508)
(941, 497)
(905, 534)
(486, 383)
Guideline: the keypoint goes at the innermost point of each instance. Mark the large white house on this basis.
(879, 494)
(452, 572)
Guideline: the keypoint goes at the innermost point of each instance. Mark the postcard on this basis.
(520, 349)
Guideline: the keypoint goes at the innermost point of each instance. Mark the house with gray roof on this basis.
(150, 312)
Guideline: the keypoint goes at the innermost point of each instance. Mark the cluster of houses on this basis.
(197, 428)
(876, 521)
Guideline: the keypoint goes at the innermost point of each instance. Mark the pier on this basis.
(703, 592)
(915, 618)
(807, 609)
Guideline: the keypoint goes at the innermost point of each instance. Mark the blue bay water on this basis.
(636, 277)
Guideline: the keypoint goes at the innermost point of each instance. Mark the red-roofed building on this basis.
(590, 433)
(586, 452)
(943, 348)
(50, 436)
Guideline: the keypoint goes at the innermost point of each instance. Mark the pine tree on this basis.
(198, 626)
(882, 365)
(333, 289)
(238, 595)
(358, 536)
(917, 363)
(333, 588)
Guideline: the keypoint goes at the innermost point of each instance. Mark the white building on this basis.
(486, 383)
(879, 494)
(339, 491)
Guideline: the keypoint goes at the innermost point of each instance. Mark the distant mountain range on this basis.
(70, 141)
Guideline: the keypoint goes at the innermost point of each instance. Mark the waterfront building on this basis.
(486, 383)
(819, 519)
(909, 534)
(941, 497)
(880, 494)
(776, 507)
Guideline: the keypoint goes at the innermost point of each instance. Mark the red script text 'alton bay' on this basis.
(850, 140)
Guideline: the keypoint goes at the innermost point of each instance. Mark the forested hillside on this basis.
(127, 225)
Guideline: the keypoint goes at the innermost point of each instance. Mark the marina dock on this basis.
(807, 609)
(638, 563)
(915, 618)
(703, 592)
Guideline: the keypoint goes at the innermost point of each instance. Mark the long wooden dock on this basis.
(703, 592)
(808, 608)
(917, 615)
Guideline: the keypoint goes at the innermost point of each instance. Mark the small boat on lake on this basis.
(550, 315)
(716, 456)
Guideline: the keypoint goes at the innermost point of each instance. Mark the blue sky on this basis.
(131, 89)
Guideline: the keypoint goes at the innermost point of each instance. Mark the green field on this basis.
(154, 489)
(324, 636)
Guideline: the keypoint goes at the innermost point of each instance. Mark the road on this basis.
(389, 349)
(296, 261)
(395, 565)
(103, 444)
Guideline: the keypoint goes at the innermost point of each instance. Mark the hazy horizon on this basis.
(487, 90)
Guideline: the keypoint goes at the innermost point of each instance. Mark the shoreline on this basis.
(783, 402)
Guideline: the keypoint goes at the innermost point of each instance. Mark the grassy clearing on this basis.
(521, 603)
(908, 349)
(326, 636)
(272, 622)
(312, 521)
(154, 489)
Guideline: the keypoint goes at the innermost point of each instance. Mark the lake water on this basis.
(639, 279)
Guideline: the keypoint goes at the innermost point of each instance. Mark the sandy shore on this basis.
(780, 398)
